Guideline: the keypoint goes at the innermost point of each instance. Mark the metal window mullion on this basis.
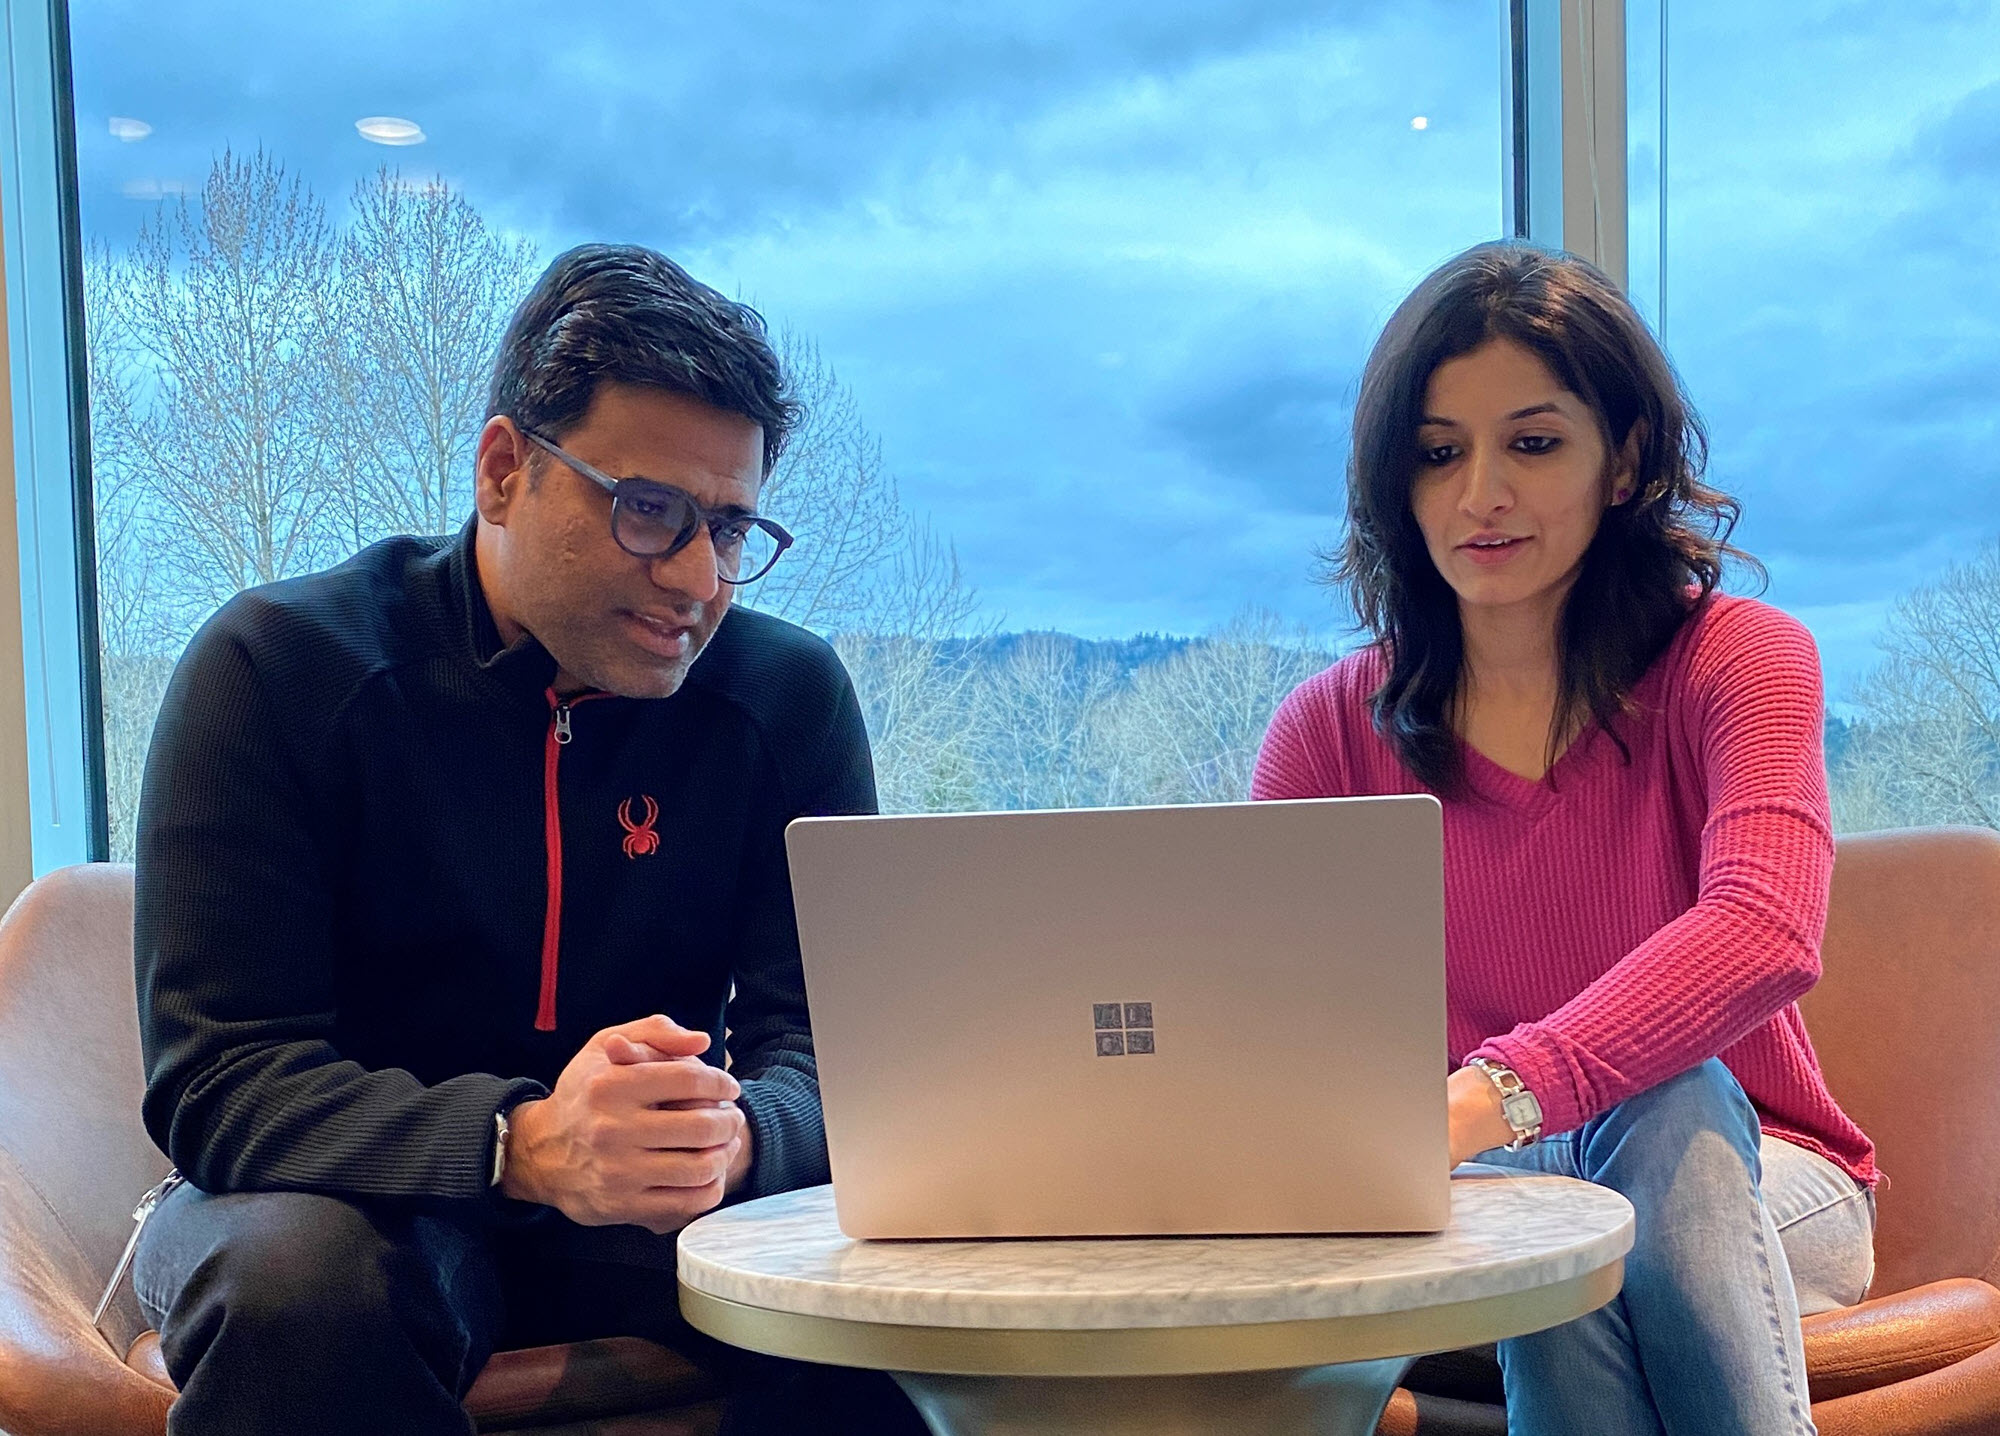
(1594, 197)
(82, 469)
(1567, 111)
(1647, 55)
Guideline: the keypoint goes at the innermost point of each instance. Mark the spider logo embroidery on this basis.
(640, 839)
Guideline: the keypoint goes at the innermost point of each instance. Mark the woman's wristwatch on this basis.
(1517, 1103)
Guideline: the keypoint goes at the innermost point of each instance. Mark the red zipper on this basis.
(559, 734)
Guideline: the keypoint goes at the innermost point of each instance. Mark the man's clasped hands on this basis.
(638, 1129)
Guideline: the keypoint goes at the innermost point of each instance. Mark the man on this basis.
(454, 864)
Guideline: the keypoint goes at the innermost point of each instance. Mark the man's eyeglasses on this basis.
(650, 519)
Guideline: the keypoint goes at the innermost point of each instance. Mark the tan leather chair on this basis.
(74, 1159)
(1906, 1021)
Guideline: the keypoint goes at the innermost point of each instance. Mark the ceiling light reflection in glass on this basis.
(389, 130)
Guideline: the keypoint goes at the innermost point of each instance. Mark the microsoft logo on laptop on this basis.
(1123, 1028)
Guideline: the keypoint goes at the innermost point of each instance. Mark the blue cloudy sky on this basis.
(1102, 275)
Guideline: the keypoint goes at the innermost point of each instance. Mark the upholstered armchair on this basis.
(74, 1159)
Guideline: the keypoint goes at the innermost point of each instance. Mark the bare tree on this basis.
(831, 489)
(914, 673)
(227, 302)
(1190, 726)
(135, 642)
(883, 585)
(126, 587)
(1927, 746)
(1042, 709)
(425, 291)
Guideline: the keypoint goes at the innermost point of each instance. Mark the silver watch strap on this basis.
(1517, 1104)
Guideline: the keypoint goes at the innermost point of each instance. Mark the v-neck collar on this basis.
(1586, 752)
(1532, 796)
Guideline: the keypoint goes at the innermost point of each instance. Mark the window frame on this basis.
(60, 723)
(1566, 181)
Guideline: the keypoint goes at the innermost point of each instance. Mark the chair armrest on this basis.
(1958, 1400)
(1899, 1337)
(58, 1377)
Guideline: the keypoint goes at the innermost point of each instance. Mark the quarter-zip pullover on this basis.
(390, 882)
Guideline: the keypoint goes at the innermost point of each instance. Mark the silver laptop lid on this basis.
(1214, 1019)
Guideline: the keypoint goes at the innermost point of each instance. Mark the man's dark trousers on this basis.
(311, 1316)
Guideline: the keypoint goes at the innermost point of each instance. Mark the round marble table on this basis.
(1181, 1334)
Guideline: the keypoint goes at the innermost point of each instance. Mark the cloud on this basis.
(1965, 143)
(1102, 274)
(1271, 435)
(1831, 283)
(684, 123)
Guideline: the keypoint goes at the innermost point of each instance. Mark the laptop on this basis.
(1220, 1019)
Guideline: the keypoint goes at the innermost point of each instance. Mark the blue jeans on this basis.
(1704, 1338)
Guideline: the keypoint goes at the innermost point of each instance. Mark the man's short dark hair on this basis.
(628, 314)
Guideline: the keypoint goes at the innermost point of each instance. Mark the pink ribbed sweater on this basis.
(1626, 921)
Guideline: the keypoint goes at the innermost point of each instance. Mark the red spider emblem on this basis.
(640, 839)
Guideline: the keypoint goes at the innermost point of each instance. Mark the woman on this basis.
(1637, 843)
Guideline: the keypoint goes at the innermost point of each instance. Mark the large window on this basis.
(1078, 294)
(1832, 248)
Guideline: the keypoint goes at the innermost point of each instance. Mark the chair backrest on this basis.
(70, 1076)
(1906, 1022)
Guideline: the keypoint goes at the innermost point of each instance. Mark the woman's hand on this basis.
(1476, 1121)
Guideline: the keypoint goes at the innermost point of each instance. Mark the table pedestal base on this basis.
(1318, 1401)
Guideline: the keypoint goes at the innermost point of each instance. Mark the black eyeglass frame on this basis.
(701, 515)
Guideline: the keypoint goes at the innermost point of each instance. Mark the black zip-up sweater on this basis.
(380, 897)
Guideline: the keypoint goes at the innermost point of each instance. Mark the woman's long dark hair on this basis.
(1653, 558)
